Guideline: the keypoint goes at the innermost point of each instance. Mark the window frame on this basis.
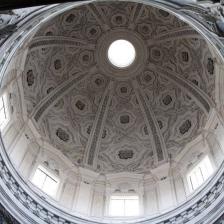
(48, 175)
(124, 197)
(197, 168)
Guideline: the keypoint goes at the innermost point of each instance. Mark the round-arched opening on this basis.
(121, 53)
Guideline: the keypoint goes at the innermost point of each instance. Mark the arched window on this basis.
(200, 173)
(45, 180)
(124, 205)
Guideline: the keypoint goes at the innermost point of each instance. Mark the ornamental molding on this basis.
(49, 41)
(200, 97)
(159, 145)
(174, 34)
(65, 113)
(92, 147)
(57, 94)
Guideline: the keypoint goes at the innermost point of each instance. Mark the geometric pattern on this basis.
(64, 86)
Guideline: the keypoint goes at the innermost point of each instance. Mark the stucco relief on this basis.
(67, 73)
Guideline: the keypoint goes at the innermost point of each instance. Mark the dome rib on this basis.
(92, 147)
(174, 34)
(159, 147)
(99, 16)
(53, 97)
(135, 14)
(52, 41)
(201, 98)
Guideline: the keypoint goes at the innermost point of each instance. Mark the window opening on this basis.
(124, 205)
(200, 173)
(46, 181)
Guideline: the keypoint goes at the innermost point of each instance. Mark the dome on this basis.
(112, 119)
(112, 112)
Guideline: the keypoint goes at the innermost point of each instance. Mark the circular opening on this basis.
(121, 53)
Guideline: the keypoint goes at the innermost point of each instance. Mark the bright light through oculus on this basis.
(121, 53)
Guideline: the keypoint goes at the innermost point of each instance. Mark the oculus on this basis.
(121, 53)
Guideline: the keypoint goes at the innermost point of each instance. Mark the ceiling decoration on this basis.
(110, 119)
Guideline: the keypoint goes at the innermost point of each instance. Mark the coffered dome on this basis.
(109, 118)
